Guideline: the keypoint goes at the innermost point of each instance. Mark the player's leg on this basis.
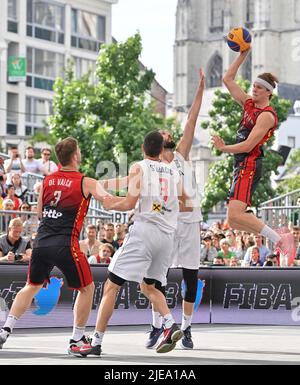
(157, 321)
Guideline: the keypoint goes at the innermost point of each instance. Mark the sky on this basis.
(155, 20)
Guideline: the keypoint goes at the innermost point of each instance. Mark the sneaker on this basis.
(287, 246)
(3, 337)
(89, 350)
(154, 335)
(171, 336)
(74, 346)
(187, 342)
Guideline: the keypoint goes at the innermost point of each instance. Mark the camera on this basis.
(18, 257)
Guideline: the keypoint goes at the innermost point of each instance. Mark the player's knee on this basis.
(191, 282)
(146, 288)
(89, 289)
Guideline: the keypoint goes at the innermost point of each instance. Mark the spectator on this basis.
(14, 247)
(216, 241)
(31, 165)
(31, 225)
(13, 165)
(240, 249)
(271, 260)
(255, 256)
(109, 234)
(90, 245)
(218, 261)
(295, 215)
(25, 206)
(119, 233)
(208, 252)
(225, 253)
(106, 251)
(8, 205)
(11, 195)
(263, 250)
(46, 165)
(234, 262)
(20, 189)
(2, 178)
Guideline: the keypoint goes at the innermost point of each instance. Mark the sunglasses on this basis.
(46, 153)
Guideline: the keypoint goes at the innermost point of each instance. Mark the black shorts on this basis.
(246, 176)
(74, 265)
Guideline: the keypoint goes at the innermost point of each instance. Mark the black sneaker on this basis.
(4, 334)
(187, 342)
(74, 346)
(89, 350)
(171, 336)
(154, 335)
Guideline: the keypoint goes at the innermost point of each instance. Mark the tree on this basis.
(293, 170)
(225, 117)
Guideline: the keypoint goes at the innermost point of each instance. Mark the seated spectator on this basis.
(11, 196)
(13, 165)
(109, 233)
(119, 233)
(263, 250)
(240, 248)
(25, 206)
(46, 165)
(30, 163)
(106, 251)
(31, 225)
(216, 241)
(14, 247)
(234, 262)
(2, 178)
(8, 205)
(218, 261)
(225, 253)
(207, 252)
(20, 189)
(255, 256)
(90, 245)
(271, 260)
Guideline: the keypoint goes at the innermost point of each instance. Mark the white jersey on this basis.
(158, 201)
(189, 184)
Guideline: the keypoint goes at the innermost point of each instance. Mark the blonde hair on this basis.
(15, 222)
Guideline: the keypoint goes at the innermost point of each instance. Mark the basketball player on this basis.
(62, 206)
(257, 126)
(145, 255)
(186, 249)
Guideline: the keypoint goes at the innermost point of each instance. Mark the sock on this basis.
(78, 333)
(168, 320)
(97, 338)
(10, 323)
(270, 234)
(186, 321)
(157, 319)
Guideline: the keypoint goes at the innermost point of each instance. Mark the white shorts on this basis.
(186, 251)
(146, 253)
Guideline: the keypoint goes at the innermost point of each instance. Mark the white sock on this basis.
(270, 234)
(78, 333)
(157, 319)
(97, 338)
(186, 321)
(10, 322)
(168, 320)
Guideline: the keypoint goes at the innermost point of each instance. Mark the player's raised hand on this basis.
(218, 142)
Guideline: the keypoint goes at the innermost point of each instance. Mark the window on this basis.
(12, 18)
(291, 141)
(12, 116)
(46, 20)
(43, 67)
(215, 72)
(217, 20)
(83, 66)
(88, 30)
(37, 112)
(249, 13)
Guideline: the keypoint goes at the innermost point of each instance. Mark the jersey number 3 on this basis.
(57, 196)
(164, 188)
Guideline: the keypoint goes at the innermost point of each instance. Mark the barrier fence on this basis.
(225, 295)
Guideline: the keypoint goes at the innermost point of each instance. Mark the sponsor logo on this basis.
(52, 214)
(47, 298)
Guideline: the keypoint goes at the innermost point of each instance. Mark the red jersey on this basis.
(250, 115)
(64, 209)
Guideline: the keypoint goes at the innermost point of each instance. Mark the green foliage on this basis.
(225, 116)
(112, 116)
(292, 168)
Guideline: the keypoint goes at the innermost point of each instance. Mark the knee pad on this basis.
(190, 278)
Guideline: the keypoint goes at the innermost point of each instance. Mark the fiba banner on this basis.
(52, 306)
(268, 296)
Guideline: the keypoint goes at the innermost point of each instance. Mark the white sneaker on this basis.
(3, 337)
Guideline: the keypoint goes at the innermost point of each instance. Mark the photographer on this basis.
(14, 164)
(14, 247)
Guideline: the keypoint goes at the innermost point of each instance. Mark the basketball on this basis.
(239, 39)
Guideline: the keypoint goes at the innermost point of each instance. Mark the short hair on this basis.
(13, 147)
(111, 248)
(109, 225)
(30, 148)
(46, 149)
(10, 186)
(224, 241)
(91, 227)
(65, 149)
(269, 78)
(15, 222)
(153, 143)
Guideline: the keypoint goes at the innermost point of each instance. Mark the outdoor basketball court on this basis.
(214, 344)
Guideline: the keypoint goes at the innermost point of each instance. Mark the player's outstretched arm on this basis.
(186, 141)
(115, 184)
(238, 94)
(134, 188)
(264, 123)
(93, 187)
